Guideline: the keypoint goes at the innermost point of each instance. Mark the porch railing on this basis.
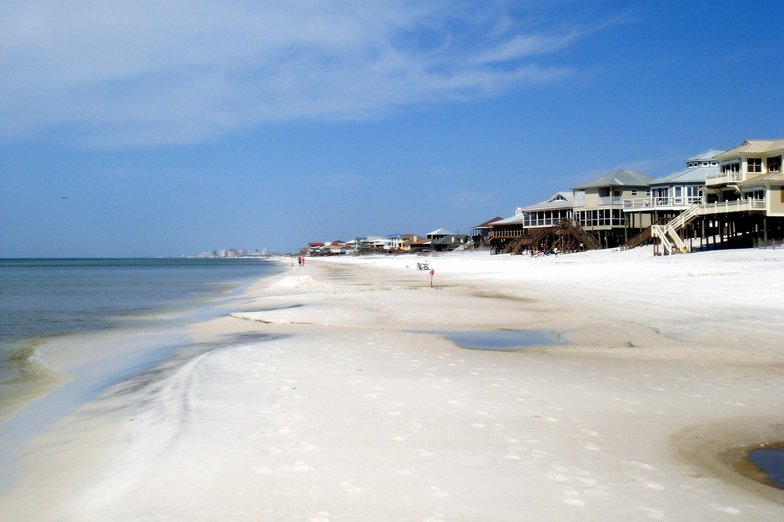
(740, 205)
(723, 177)
(653, 203)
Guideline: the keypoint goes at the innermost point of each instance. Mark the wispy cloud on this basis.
(135, 73)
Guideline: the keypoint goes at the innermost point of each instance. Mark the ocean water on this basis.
(43, 301)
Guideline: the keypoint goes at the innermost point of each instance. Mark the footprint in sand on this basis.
(300, 466)
(438, 492)
(350, 488)
(727, 509)
(321, 516)
(652, 513)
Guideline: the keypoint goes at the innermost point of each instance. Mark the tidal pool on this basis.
(771, 461)
(503, 340)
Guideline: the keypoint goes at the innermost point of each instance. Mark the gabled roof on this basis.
(556, 201)
(772, 178)
(618, 178)
(751, 147)
(488, 223)
(441, 232)
(514, 220)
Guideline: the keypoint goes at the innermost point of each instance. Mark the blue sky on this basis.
(177, 127)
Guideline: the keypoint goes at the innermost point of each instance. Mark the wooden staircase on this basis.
(564, 235)
(667, 233)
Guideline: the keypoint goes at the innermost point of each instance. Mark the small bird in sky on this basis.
(63, 197)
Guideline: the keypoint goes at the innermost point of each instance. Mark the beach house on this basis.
(480, 234)
(674, 193)
(722, 198)
(747, 177)
(746, 195)
(599, 207)
(547, 226)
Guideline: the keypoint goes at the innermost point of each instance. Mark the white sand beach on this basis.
(336, 396)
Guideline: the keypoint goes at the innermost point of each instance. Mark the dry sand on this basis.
(332, 396)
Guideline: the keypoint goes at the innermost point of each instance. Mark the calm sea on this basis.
(49, 299)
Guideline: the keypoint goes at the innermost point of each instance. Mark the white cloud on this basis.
(145, 72)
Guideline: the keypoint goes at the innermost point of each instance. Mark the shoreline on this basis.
(326, 391)
(76, 368)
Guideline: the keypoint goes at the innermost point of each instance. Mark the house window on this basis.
(634, 192)
(754, 165)
(693, 192)
(774, 164)
(730, 167)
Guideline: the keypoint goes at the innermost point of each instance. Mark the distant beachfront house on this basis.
(407, 242)
(379, 244)
(335, 248)
(543, 214)
(480, 234)
(418, 244)
(315, 248)
(392, 242)
(543, 227)
(599, 207)
(442, 240)
(547, 213)
(448, 243)
(439, 233)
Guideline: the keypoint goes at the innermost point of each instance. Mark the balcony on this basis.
(610, 200)
(740, 205)
(723, 178)
(660, 203)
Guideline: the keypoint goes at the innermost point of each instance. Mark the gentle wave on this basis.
(26, 362)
